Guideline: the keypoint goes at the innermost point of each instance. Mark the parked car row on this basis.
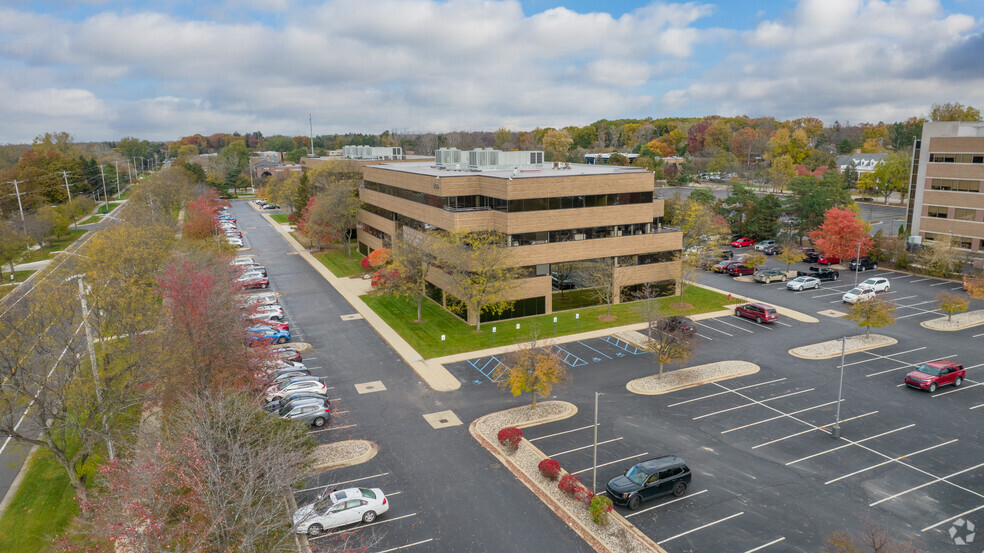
(266, 205)
(227, 224)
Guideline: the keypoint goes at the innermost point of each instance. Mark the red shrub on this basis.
(549, 468)
(583, 495)
(569, 484)
(365, 263)
(510, 437)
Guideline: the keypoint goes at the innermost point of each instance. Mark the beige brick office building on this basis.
(552, 214)
(947, 186)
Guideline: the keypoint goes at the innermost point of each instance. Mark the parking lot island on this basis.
(689, 377)
(959, 321)
(618, 536)
(342, 454)
(832, 348)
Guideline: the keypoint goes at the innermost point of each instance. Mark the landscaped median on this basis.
(614, 535)
(689, 377)
(959, 321)
(833, 348)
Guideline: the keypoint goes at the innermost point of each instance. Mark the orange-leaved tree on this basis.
(841, 232)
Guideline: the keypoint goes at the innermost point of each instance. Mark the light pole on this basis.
(857, 264)
(594, 455)
(92, 357)
(836, 431)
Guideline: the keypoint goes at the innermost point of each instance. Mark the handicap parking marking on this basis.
(565, 356)
(709, 524)
(622, 344)
(672, 501)
(492, 369)
(889, 461)
(763, 546)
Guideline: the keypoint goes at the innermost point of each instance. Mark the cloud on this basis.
(858, 60)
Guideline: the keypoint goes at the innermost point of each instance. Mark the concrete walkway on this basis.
(32, 266)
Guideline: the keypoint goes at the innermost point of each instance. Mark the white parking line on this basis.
(699, 528)
(559, 433)
(714, 329)
(637, 513)
(726, 392)
(883, 463)
(761, 547)
(850, 443)
(722, 321)
(333, 428)
(754, 402)
(361, 526)
(977, 335)
(978, 406)
(405, 546)
(930, 483)
(920, 280)
(783, 324)
(777, 417)
(584, 447)
(821, 428)
(902, 276)
(957, 288)
(955, 390)
(345, 482)
(963, 514)
(705, 337)
(875, 356)
(904, 298)
(941, 283)
(612, 462)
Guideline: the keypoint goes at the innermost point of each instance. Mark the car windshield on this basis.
(288, 382)
(799, 279)
(366, 492)
(931, 371)
(856, 291)
(636, 475)
(870, 281)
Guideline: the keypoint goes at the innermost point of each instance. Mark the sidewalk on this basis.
(32, 266)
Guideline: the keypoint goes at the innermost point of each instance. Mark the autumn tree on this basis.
(533, 369)
(952, 303)
(874, 540)
(755, 259)
(56, 218)
(954, 111)
(781, 172)
(975, 286)
(700, 225)
(604, 277)
(790, 252)
(480, 270)
(891, 175)
(810, 199)
(938, 258)
(13, 243)
(666, 341)
(410, 260)
(199, 220)
(841, 233)
(556, 144)
(872, 313)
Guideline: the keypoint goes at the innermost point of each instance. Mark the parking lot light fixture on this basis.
(836, 430)
(857, 264)
(594, 461)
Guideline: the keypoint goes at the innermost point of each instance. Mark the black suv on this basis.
(864, 265)
(648, 480)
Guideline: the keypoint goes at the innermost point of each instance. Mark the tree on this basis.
(975, 286)
(875, 539)
(810, 200)
(666, 341)
(872, 313)
(56, 218)
(954, 111)
(738, 207)
(556, 144)
(199, 221)
(891, 175)
(37, 228)
(841, 233)
(700, 225)
(703, 195)
(132, 148)
(480, 270)
(781, 172)
(302, 194)
(12, 244)
(411, 257)
(938, 258)
(952, 303)
(603, 275)
(763, 221)
(790, 252)
(533, 369)
(755, 259)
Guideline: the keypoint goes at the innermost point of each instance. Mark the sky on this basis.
(105, 69)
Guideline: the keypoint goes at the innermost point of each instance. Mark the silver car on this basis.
(801, 283)
(315, 411)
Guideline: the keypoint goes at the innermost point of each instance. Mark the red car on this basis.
(250, 283)
(272, 323)
(722, 267)
(934, 374)
(736, 269)
(759, 312)
(828, 260)
(742, 243)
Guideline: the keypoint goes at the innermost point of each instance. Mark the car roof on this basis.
(661, 462)
(941, 364)
(762, 305)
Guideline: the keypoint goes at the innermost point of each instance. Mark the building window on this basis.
(372, 231)
(956, 158)
(962, 242)
(937, 211)
(965, 214)
(520, 308)
(956, 185)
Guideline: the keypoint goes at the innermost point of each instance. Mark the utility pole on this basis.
(65, 174)
(105, 197)
(117, 164)
(92, 358)
(129, 175)
(20, 206)
(311, 122)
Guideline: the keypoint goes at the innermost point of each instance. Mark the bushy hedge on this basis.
(549, 468)
(601, 505)
(510, 437)
(569, 484)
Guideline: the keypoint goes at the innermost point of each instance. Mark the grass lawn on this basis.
(5, 283)
(461, 337)
(112, 205)
(280, 218)
(125, 194)
(43, 505)
(339, 264)
(90, 220)
(55, 245)
(574, 299)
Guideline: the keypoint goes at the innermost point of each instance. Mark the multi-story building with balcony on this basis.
(553, 214)
(947, 186)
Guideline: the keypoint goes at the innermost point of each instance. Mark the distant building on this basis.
(269, 157)
(946, 189)
(863, 163)
(372, 152)
(602, 159)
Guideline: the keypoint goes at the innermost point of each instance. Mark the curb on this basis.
(785, 311)
(747, 368)
(890, 342)
(433, 374)
(582, 530)
(9, 496)
(373, 450)
(960, 326)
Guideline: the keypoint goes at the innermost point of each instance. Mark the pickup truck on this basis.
(821, 273)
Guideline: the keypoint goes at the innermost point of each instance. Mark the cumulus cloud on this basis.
(859, 60)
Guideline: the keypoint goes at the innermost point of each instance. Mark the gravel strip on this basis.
(827, 350)
(619, 536)
(342, 454)
(959, 321)
(690, 377)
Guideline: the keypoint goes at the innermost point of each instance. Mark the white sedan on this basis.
(359, 504)
(802, 283)
(878, 284)
(858, 294)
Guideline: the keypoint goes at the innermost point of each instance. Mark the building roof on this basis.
(858, 159)
(548, 170)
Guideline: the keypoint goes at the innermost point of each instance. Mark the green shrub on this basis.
(601, 505)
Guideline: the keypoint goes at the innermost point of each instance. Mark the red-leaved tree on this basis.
(841, 232)
(199, 218)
